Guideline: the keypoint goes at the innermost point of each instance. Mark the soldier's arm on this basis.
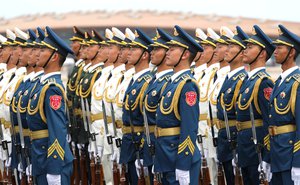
(296, 151)
(189, 114)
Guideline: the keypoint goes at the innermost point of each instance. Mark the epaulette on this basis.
(167, 78)
(98, 69)
(184, 77)
(81, 64)
(146, 77)
(261, 75)
(296, 77)
(239, 76)
(50, 80)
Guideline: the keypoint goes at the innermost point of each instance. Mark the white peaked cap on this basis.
(118, 33)
(212, 34)
(19, 33)
(10, 34)
(226, 32)
(200, 34)
(2, 39)
(108, 33)
(129, 34)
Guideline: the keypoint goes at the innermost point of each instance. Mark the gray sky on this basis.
(287, 10)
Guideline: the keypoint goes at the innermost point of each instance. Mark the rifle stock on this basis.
(123, 179)
(221, 178)
(116, 173)
(238, 179)
(93, 170)
(83, 171)
(205, 173)
(141, 179)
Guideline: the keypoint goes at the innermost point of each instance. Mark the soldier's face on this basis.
(219, 52)
(250, 53)
(113, 52)
(83, 52)
(232, 51)
(280, 53)
(134, 55)
(33, 57)
(16, 53)
(26, 55)
(173, 55)
(157, 55)
(103, 53)
(92, 51)
(75, 47)
(6, 52)
(207, 53)
(44, 56)
(124, 54)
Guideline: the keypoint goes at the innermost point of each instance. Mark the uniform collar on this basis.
(223, 71)
(36, 74)
(78, 62)
(177, 74)
(118, 69)
(85, 68)
(162, 73)
(29, 76)
(20, 71)
(233, 72)
(9, 72)
(251, 73)
(95, 66)
(129, 72)
(107, 69)
(46, 76)
(3, 66)
(200, 68)
(137, 75)
(287, 73)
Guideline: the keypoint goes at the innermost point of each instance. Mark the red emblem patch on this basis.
(190, 98)
(55, 102)
(268, 92)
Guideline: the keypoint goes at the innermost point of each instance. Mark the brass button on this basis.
(291, 142)
(186, 153)
(54, 156)
(138, 133)
(172, 145)
(43, 147)
(270, 116)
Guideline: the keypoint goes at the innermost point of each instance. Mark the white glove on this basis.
(28, 171)
(138, 167)
(8, 162)
(73, 144)
(100, 151)
(233, 162)
(20, 168)
(267, 169)
(1, 154)
(53, 179)
(80, 146)
(183, 177)
(296, 175)
(68, 138)
(115, 156)
(152, 170)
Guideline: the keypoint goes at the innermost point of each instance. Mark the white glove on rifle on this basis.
(8, 162)
(28, 172)
(267, 169)
(100, 151)
(138, 167)
(296, 175)
(183, 177)
(53, 179)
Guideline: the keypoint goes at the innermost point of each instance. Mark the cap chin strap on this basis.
(8, 59)
(116, 59)
(180, 58)
(139, 58)
(235, 56)
(197, 59)
(162, 60)
(286, 57)
(212, 56)
(18, 62)
(48, 59)
(256, 56)
(78, 51)
(95, 56)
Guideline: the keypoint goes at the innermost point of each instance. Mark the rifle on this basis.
(204, 176)
(221, 177)
(75, 175)
(141, 179)
(157, 176)
(83, 165)
(116, 172)
(238, 175)
(24, 149)
(123, 179)
(262, 175)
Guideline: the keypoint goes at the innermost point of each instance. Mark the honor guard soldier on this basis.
(253, 99)
(178, 157)
(133, 122)
(152, 95)
(51, 155)
(206, 83)
(284, 105)
(227, 97)
(200, 65)
(2, 62)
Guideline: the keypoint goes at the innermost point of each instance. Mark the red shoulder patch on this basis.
(268, 92)
(190, 98)
(55, 101)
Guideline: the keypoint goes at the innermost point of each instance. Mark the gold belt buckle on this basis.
(238, 125)
(272, 130)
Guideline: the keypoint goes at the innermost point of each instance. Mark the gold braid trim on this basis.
(19, 82)
(163, 88)
(88, 91)
(138, 99)
(142, 92)
(112, 100)
(186, 143)
(56, 146)
(296, 146)
(205, 98)
(148, 107)
(73, 87)
(42, 99)
(22, 110)
(234, 98)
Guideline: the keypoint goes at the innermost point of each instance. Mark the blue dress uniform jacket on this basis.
(256, 90)
(178, 108)
(284, 105)
(133, 97)
(152, 96)
(228, 97)
(46, 115)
